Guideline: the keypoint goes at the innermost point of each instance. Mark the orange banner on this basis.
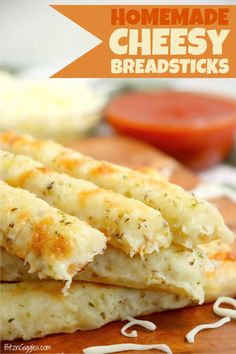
(154, 41)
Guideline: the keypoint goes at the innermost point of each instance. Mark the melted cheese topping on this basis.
(193, 221)
(190, 336)
(223, 311)
(53, 243)
(116, 348)
(132, 322)
(131, 225)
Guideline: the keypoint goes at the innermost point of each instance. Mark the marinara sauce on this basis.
(197, 129)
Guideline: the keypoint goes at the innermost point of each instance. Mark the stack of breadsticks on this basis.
(86, 242)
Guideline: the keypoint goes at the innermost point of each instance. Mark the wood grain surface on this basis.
(172, 326)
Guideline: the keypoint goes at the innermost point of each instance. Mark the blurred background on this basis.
(106, 117)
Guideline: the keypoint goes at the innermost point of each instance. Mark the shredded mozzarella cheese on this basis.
(167, 171)
(223, 311)
(209, 190)
(116, 348)
(132, 322)
(190, 336)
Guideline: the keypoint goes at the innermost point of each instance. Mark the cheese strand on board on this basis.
(191, 335)
(54, 244)
(120, 348)
(129, 224)
(134, 322)
(221, 311)
(191, 220)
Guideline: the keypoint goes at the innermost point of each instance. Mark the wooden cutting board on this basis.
(172, 326)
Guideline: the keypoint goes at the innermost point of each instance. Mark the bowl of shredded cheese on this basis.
(58, 109)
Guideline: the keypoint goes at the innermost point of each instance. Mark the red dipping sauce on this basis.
(197, 129)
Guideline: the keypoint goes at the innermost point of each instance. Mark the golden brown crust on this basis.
(42, 242)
